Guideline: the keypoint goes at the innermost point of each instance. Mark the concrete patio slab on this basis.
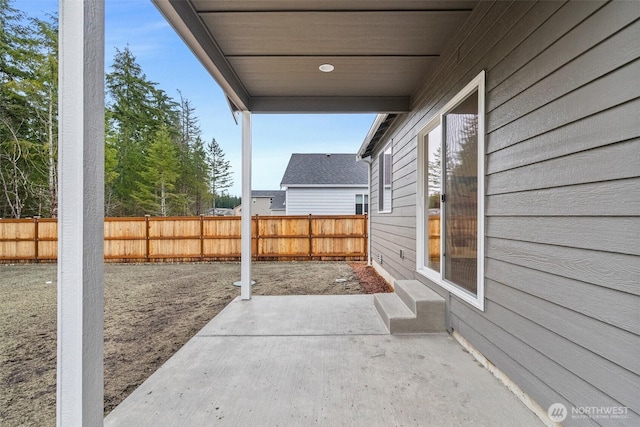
(318, 360)
(299, 315)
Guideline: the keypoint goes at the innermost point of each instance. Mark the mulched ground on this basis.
(370, 281)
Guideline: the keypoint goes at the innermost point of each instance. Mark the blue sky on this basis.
(166, 60)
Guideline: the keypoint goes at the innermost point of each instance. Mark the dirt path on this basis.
(151, 310)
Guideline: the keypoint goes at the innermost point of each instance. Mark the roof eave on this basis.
(378, 129)
(186, 22)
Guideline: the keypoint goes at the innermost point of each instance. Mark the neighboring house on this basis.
(261, 203)
(326, 184)
(221, 212)
(278, 203)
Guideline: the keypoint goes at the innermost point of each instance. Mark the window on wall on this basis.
(451, 194)
(384, 180)
(362, 204)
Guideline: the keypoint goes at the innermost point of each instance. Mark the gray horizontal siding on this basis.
(558, 69)
(601, 303)
(592, 199)
(562, 263)
(603, 128)
(575, 327)
(597, 371)
(597, 96)
(611, 162)
(544, 30)
(515, 363)
(532, 361)
(610, 270)
(620, 235)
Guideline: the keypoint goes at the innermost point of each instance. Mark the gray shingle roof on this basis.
(278, 201)
(265, 193)
(325, 169)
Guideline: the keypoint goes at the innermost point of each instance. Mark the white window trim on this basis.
(478, 83)
(355, 202)
(389, 146)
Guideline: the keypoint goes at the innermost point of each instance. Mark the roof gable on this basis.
(325, 169)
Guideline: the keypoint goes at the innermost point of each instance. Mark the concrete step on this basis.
(392, 310)
(412, 308)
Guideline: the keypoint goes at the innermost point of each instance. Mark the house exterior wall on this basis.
(323, 200)
(562, 204)
(260, 206)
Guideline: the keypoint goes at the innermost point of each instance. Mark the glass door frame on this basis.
(422, 209)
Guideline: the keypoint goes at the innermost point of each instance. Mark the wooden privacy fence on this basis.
(171, 239)
(462, 245)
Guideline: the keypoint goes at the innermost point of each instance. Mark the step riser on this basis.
(423, 312)
(382, 313)
(390, 307)
(412, 326)
(406, 298)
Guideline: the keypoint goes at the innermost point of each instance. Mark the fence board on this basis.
(201, 238)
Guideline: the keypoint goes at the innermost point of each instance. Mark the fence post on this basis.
(366, 237)
(148, 244)
(310, 239)
(36, 231)
(257, 255)
(201, 237)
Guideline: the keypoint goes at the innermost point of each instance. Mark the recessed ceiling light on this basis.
(326, 68)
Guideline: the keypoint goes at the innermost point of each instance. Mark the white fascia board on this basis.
(380, 118)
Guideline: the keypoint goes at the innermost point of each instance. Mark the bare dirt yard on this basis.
(151, 310)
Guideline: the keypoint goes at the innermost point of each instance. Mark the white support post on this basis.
(370, 170)
(245, 260)
(80, 381)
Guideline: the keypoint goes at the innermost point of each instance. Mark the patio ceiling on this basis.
(265, 54)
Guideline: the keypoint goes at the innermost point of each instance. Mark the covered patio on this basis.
(267, 360)
(318, 360)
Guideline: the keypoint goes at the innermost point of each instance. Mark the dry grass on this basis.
(151, 310)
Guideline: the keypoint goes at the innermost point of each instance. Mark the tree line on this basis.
(156, 161)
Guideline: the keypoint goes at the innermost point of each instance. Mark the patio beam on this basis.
(245, 246)
(330, 104)
(80, 381)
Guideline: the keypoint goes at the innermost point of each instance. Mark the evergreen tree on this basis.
(226, 201)
(28, 112)
(158, 177)
(192, 182)
(13, 106)
(110, 176)
(14, 51)
(42, 91)
(135, 112)
(220, 175)
(155, 158)
(462, 163)
(434, 181)
(201, 176)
